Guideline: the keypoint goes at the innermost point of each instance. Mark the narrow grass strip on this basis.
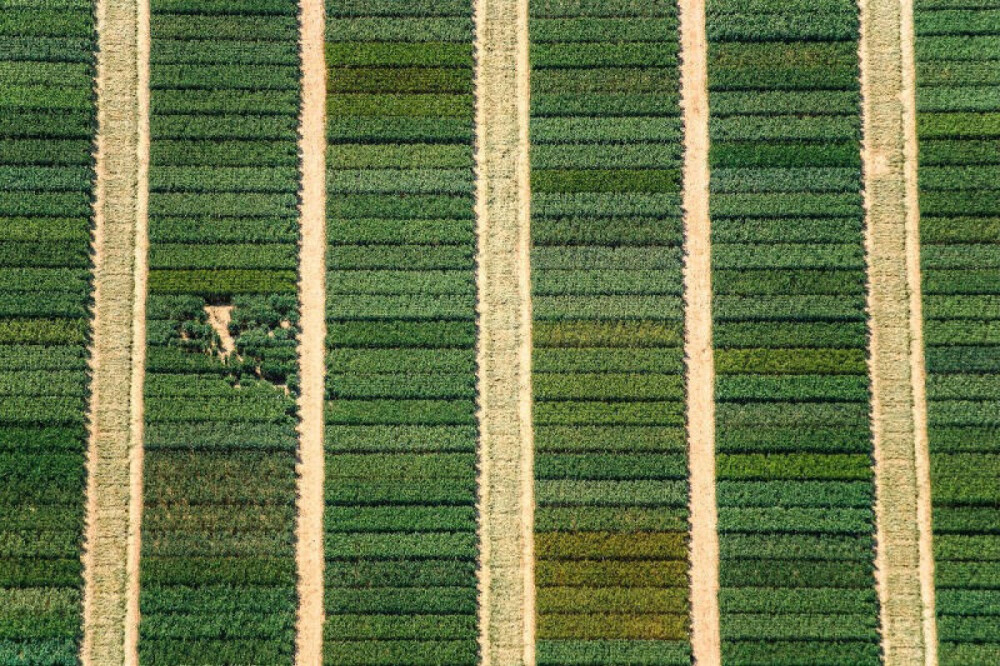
(506, 471)
(115, 417)
(312, 362)
(898, 486)
(698, 348)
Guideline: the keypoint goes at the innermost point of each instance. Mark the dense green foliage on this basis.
(957, 110)
(610, 463)
(47, 126)
(218, 568)
(793, 445)
(401, 434)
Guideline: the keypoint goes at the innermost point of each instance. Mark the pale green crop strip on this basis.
(506, 475)
(902, 483)
(118, 337)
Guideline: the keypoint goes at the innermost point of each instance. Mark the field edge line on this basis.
(503, 354)
(918, 368)
(310, 616)
(698, 347)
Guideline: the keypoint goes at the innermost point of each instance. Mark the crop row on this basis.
(793, 459)
(400, 518)
(956, 114)
(610, 465)
(218, 574)
(46, 176)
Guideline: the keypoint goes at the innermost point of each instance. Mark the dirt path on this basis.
(312, 300)
(917, 366)
(506, 472)
(118, 342)
(705, 641)
(903, 555)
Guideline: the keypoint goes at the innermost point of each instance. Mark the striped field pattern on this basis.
(958, 109)
(218, 569)
(610, 465)
(47, 125)
(793, 443)
(401, 427)
(485, 206)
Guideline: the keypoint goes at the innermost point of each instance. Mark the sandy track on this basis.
(704, 553)
(312, 301)
(118, 339)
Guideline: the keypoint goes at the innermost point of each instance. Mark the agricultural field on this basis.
(794, 457)
(47, 122)
(400, 522)
(610, 459)
(412, 575)
(958, 109)
(218, 569)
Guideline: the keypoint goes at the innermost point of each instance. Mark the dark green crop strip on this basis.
(218, 581)
(956, 122)
(400, 522)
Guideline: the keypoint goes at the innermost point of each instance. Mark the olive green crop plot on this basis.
(47, 131)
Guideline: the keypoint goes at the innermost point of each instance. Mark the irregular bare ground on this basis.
(219, 318)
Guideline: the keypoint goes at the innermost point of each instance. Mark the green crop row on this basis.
(793, 444)
(611, 476)
(401, 429)
(957, 118)
(46, 167)
(218, 582)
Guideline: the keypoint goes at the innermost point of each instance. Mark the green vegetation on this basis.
(610, 464)
(401, 432)
(218, 569)
(793, 463)
(46, 179)
(957, 116)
